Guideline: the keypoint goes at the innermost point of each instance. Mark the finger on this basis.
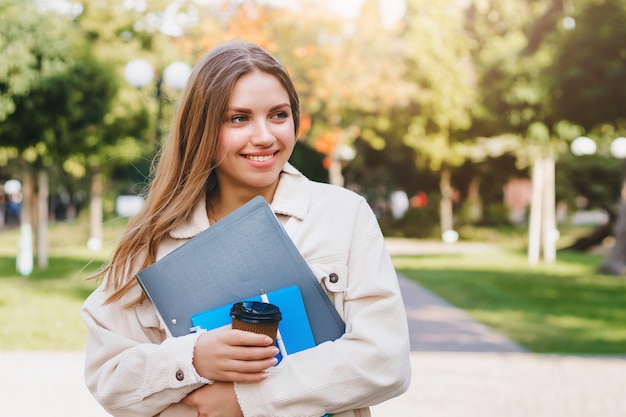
(248, 353)
(231, 366)
(237, 337)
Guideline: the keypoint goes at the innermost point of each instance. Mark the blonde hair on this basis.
(184, 172)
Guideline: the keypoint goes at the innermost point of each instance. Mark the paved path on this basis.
(437, 326)
(460, 369)
(510, 385)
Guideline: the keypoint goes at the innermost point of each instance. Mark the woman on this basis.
(233, 134)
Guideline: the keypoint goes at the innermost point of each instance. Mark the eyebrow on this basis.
(248, 110)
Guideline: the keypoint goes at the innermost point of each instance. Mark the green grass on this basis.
(41, 311)
(565, 307)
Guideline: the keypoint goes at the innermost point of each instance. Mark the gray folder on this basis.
(234, 259)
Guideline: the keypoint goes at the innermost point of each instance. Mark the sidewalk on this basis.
(461, 368)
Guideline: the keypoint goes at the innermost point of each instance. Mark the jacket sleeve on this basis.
(370, 362)
(129, 368)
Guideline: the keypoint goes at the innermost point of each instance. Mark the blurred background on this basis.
(441, 113)
(488, 136)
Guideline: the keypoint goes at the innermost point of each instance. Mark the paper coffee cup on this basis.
(257, 317)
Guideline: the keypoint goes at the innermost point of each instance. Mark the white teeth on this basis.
(260, 158)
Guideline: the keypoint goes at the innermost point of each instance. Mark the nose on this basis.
(262, 135)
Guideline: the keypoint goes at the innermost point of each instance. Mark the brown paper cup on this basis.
(262, 328)
(257, 317)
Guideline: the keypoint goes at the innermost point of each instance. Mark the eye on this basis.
(238, 119)
(281, 115)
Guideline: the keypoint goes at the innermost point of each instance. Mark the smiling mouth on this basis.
(258, 158)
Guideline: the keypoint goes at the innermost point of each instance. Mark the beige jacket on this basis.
(134, 369)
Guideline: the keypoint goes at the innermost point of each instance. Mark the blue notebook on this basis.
(294, 327)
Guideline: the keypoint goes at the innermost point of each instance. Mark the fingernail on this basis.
(275, 351)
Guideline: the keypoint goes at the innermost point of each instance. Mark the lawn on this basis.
(41, 311)
(565, 307)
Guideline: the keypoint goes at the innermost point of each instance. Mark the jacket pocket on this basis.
(333, 277)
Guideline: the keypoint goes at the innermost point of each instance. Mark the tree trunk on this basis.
(95, 210)
(41, 235)
(474, 203)
(28, 195)
(534, 227)
(549, 212)
(446, 212)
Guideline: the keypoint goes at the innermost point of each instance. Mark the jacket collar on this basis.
(292, 194)
(290, 199)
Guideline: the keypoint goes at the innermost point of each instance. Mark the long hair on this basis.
(184, 172)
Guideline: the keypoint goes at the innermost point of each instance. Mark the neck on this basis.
(219, 206)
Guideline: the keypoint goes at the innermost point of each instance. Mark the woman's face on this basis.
(257, 136)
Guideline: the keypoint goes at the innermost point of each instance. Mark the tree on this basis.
(36, 56)
(66, 117)
(516, 43)
(590, 90)
(121, 136)
(590, 66)
(437, 55)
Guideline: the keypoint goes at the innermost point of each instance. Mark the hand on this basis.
(234, 355)
(215, 400)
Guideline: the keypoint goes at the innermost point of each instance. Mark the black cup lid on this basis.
(255, 312)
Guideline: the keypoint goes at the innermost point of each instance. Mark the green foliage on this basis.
(33, 48)
(454, 83)
(438, 64)
(496, 214)
(513, 49)
(590, 66)
(419, 223)
(59, 116)
(596, 177)
(561, 308)
(309, 162)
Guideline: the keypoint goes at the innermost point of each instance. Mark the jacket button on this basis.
(333, 278)
(180, 375)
